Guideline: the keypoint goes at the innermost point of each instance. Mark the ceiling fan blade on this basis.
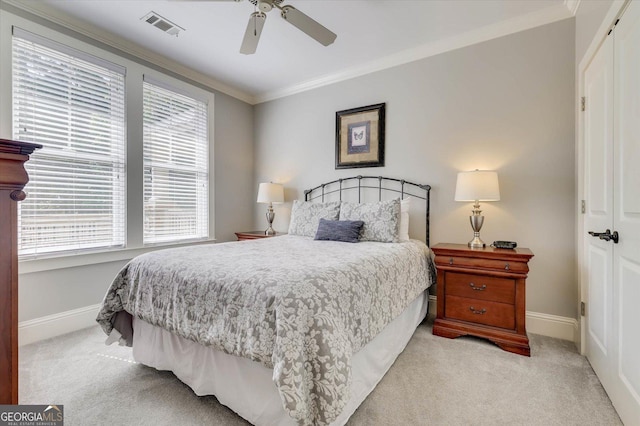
(307, 25)
(252, 34)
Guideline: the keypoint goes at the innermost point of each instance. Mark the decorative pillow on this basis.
(347, 231)
(381, 220)
(403, 234)
(305, 216)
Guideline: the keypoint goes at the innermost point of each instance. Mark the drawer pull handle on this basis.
(477, 311)
(481, 288)
(506, 266)
(451, 261)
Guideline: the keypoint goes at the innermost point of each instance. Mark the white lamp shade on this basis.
(478, 185)
(270, 193)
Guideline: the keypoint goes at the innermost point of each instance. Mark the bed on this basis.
(286, 330)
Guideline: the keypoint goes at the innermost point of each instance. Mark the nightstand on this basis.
(481, 292)
(253, 235)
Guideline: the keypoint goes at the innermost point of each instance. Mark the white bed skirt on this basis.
(247, 387)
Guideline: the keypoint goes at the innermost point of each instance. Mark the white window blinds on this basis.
(176, 172)
(72, 104)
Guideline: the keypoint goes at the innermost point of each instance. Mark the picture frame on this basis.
(360, 137)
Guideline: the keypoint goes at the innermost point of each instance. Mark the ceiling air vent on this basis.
(162, 23)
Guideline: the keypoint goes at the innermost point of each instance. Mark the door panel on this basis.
(627, 51)
(625, 393)
(599, 312)
(598, 139)
(629, 369)
(599, 136)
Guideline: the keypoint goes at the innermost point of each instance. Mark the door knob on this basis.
(606, 235)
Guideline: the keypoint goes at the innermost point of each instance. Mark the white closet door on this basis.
(625, 394)
(598, 141)
(612, 192)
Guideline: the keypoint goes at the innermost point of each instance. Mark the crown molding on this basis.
(43, 11)
(572, 5)
(511, 26)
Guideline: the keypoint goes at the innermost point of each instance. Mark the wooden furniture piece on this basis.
(13, 178)
(253, 235)
(481, 292)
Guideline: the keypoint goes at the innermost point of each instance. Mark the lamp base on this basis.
(476, 243)
(476, 220)
(270, 215)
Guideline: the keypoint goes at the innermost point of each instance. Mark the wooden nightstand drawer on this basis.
(487, 264)
(480, 312)
(481, 287)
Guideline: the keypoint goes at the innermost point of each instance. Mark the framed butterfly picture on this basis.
(360, 137)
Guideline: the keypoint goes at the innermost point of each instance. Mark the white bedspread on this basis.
(299, 306)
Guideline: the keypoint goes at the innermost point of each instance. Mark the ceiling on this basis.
(372, 35)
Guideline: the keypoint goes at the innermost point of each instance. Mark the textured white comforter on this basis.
(299, 306)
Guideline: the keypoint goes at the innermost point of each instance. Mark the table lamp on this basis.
(476, 186)
(270, 193)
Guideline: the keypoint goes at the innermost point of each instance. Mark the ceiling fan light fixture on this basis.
(290, 14)
(265, 5)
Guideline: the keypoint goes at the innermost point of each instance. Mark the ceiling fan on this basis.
(290, 14)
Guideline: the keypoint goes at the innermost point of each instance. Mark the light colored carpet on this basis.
(435, 381)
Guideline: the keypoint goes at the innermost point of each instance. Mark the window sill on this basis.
(92, 258)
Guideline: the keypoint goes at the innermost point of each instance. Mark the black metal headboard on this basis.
(398, 186)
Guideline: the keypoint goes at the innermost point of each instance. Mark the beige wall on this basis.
(505, 104)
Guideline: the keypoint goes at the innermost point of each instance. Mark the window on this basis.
(73, 104)
(176, 173)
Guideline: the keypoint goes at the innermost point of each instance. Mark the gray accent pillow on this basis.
(305, 216)
(347, 231)
(381, 219)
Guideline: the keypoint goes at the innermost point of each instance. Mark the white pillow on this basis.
(305, 216)
(403, 234)
(381, 219)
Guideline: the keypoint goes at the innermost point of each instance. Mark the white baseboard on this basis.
(65, 322)
(54, 325)
(553, 326)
